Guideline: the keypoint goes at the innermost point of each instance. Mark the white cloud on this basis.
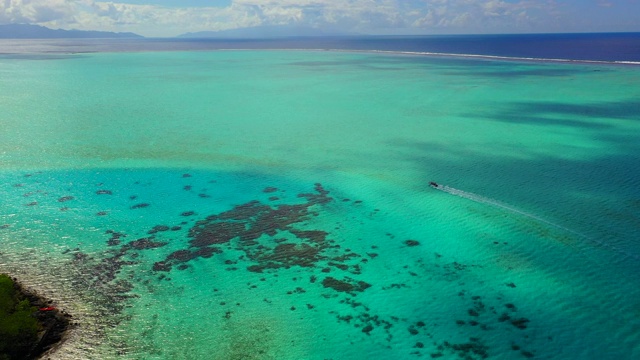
(364, 16)
(35, 11)
(485, 16)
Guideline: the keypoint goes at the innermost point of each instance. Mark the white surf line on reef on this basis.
(509, 58)
(485, 200)
(444, 54)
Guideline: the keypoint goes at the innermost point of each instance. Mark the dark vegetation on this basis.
(29, 325)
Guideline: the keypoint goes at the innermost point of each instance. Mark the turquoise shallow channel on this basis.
(276, 204)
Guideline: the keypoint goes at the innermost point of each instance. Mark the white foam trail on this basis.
(485, 200)
(450, 55)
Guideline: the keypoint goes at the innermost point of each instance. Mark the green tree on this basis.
(18, 326)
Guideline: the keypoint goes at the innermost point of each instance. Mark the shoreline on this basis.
(55, 323)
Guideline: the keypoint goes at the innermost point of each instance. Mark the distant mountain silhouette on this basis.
(262, 32)
(24, 31)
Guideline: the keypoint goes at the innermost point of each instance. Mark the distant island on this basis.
(262, 32)
(24, 31)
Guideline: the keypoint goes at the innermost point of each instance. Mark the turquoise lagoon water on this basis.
(276, 204)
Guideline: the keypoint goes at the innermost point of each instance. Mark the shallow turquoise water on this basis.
(222, 160)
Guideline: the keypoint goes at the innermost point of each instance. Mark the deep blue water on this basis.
(590, 47)
(598, 47)
(601, 47)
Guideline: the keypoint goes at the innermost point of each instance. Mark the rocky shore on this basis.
(25, 338)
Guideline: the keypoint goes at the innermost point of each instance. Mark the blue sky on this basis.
(165, 18)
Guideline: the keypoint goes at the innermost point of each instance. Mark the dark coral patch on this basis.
(104, 192)
(287, 255)
(316, 236)
(207, 252)
(347, 285)
(303, 255)
(115, 238)
(269, 239)
(65, 198)
(145, 243)
(158, 228)
(243, 211)
(181, 255)
(320, 198)
(520, 323)
(140, 206)
(269, 189)
(161, 266)
(339, 266)
(188, 213)
(412, 242)
(205, 234)
(467, 350)
(365, 320)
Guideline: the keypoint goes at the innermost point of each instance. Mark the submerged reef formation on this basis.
(29, 324)
(295, 256)
(266, 234)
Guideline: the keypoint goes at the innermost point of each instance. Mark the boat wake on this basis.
(485, 200)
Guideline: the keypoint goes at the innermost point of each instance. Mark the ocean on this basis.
(245, 199)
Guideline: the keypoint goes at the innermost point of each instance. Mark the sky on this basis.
(167, 18)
